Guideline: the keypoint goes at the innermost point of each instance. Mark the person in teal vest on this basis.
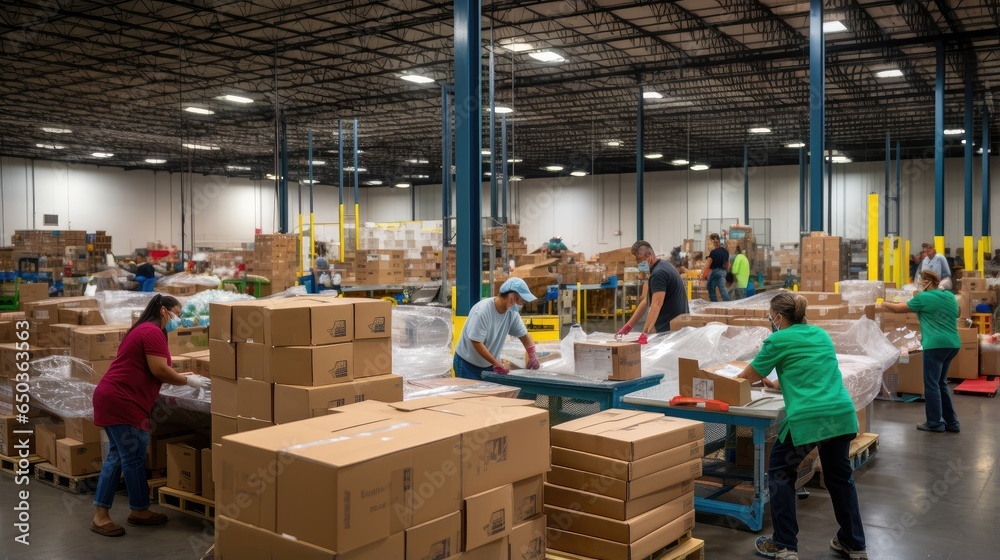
(556, 246)
(938, 313)
(819, 413)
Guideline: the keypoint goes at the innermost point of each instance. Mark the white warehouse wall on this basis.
(140, 206)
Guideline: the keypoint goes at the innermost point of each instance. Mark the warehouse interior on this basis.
(328, 190)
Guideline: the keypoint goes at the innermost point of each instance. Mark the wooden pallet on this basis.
(186, 502)
(684, 548)
(47, 474)
(154, 485)
(9, 464)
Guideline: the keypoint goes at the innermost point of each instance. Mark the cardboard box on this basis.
(184, 467)
(613, 508)
(207, 476)
(45, 438)
(527, 540)
(240, 541)
(627, 531)
(98, 343)
(692, 320)
(60, 334)
(704, 384)
(617, 360)
(496, 550)
(100, 368)
(627, 470)
(487, 516)
(298, 403)
(622, 489)
(372, 357)
(247, 322)
(313, 366)
(972, 284)
(966, 364)
(222, 426)
(244, 424)
(911, 373)
(77, 458)
(826, 312)
(188, 339)
(224, 397)
(822, 298)
(372, 319)
(10, 440)
(528, 498)
(156, 452)
(224, 355)
(307, 322)
(82, 429)
(440, 538)
(28, 293)
(255, 399)
(601, 548)
(181, 364)
(202, 363)
(220, 320)
(626, 435)
(11, 358)
(989, 362)
(253, 361)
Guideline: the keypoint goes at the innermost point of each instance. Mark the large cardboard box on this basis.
(627, 470)
(822, 298)
(626, 435)
(372, 318)
(247, 321)
(616, 360)
(28, 293)
(613, 508)
(439, 538)
(244, 424)
(294, 402)
(224, 397)
(528, 498)
(184, 466)
(45, 437)
(487, 516)
(911, 373)
(372, 357)
(972, 284)
(576, 543)
(826, 312)
(188, 339)
(77, 458)
(255, 399)
(98, 343)
(693, 320)
(496, 550)
(307, 322)
(622, 489)
(989, 361)
(966, 364)
(240, 541)
(253, 361)
(222, 426)
(313, 366)
(82, 429)
(627, 531)
(706, 384)
(10, 440)
(527, 540)
(224, 355)
(207, 474)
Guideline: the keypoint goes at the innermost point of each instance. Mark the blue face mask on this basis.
(774, 326)
(173, 324)
(643, 267)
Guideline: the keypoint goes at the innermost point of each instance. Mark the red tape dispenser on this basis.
(707, 404)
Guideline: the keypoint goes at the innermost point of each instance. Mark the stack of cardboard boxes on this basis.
(276, 258)
(825, 261)
(616, 261)
(48, 243)
(622, 483)
(429, 478)
(73, 446)
(786, 258)
(379, 267)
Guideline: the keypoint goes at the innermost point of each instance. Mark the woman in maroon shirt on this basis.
(123, 401)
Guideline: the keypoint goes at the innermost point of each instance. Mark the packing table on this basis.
(607, 394)
(759, 415)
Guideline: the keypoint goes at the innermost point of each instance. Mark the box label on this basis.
(703, 389)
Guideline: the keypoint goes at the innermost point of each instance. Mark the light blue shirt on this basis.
(937, 265)
(489, 327)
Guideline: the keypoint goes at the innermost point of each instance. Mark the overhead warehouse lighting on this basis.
(373, 183)
(485, 152)
(653, 156)
(318, 162)
(237, 168)
(553, 168)
(578, 173)
(402, 185)
(954, 131)
(155, 161)
(501, 110)
(308, 182)
(894, 73)
(417, 78)
(487, 174)
(515, 178)
(679, 162)
(417, 161)
(200, 147)
(652, 95)
(50, 146)
(235, 99)
(613, 143)
(547, 56)
(102, 154)
(514, 160)
(760, 130)
(833, 27)
(351, 168)
(795, 145)
(517, 46)
(699, 167)
(51, 130)
(199, 111)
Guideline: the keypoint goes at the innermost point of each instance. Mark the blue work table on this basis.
(608, 394)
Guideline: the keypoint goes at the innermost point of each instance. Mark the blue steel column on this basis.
(468, 142)
(986, 171)
(899, 170)
(969, 138)
(939, 145)
(829, 194)
(817, 112)
(746, 182)
(340, 160)
(493, 143)
(640, 169)
(283, 180)
(357, 180)
(802, 189)
(446, 165)
(505, 165)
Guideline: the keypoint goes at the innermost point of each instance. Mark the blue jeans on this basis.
(937, 396)
(834, 453)
(127, 455)
(145, 284)
(717, 279)
(468, 370)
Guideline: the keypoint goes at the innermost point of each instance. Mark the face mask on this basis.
(173, 323)
(514, 307)
(774, 326)
(643, 267)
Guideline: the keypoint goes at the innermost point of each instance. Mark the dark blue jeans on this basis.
(937, 396)
(468, 370)
(126, 456)
(834, 453)
(145, 284)
(717, 279)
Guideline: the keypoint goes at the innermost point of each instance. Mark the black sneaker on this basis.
(848, 553)
(926, 428)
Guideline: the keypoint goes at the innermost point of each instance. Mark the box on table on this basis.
(621, 531)
(622, 489)
(487, 516)
(184, 469)
(236, 540)
(292, 402)
(627, 470)
(10, 441)
(181, 364)
(76, 458)
(617, 360)
(439, 538)
(45, 438)
(313, 366)
(706, 384)
(576, 543)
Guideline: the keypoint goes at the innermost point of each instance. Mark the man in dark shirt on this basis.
(663, 295)
(144, 274)
(715, 272)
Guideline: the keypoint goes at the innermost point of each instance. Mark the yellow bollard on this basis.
(836, 287)
(939, 244)
(341, 233)
(886, 260)
(904, 274)
(357, 227)
(873, 238)
(690, 289)
(579, 302)
(970, 253)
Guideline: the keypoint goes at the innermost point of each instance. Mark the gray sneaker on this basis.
(785, 554)
(848, 553)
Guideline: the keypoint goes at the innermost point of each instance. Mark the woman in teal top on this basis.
(938, 314)
(819, 413)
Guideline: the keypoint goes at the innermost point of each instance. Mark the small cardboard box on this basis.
(626, 435)
(294, 402)
(255, 399)
(181, 364)
(488, 516)
(966, 364)
(604, 506)
(77, 458)
(207, 476)
(184, 466)
(372, 357)
(704, 384)
(223, 426)
(224, 355)
(440, 538)
(46, 436)
(595, 547)
(98, 343)
(313, 366)
(528, 498)
(307, 322)
(627, 470)
(527, 540)
(10, 440)
(188, 339)
(972, 284)
(82, 429)
(989, 362)
(621, 489)
(372, 319)
(253, 361)
(911, 373)
(224, 397)
(628, 531)
(617, 360)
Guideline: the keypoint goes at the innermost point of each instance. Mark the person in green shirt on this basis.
(819, 412)
(938, 314)
(741, 270)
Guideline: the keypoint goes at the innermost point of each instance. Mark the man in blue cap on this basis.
(489, 323)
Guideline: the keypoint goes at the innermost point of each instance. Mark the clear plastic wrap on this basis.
(188, 278)
(113, 279)
(194, 311)
(757, 301)
(903, 295)
(434, 387)
(862, 377)
(862, 292)
(864, 353)
(421, 341)
(904, 338)
(117, 306)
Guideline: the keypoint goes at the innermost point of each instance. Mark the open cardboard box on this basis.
(706, 384)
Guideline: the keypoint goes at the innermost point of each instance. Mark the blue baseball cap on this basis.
(517, 285)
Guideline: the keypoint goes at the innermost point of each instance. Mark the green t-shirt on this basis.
(817, 404)
(741, 270)
(938, 313)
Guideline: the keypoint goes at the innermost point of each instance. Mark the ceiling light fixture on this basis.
(319, 162)
(833, 27)
(200, 147)
(553, 168)
(614, 143)
(351, 168)
(102, 154)
(652, 95)
(56, 130)
(485, 152)
(699, 167)
(517, 46)
(515, 178)
(237, 168)
(680, 162)
(653, 156)
(417, 78)
(501, 110)
(578, 173)
(50, 146)
(894, 73)
(235, 99)
(199, 111)
(795, 145)
(840, 159)
(547, 56)
(954, 131)
(514, 160)
(417, 161)
(373, 183)
(487, 174)
(155, 160)
(759, 130)
(402, 185)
